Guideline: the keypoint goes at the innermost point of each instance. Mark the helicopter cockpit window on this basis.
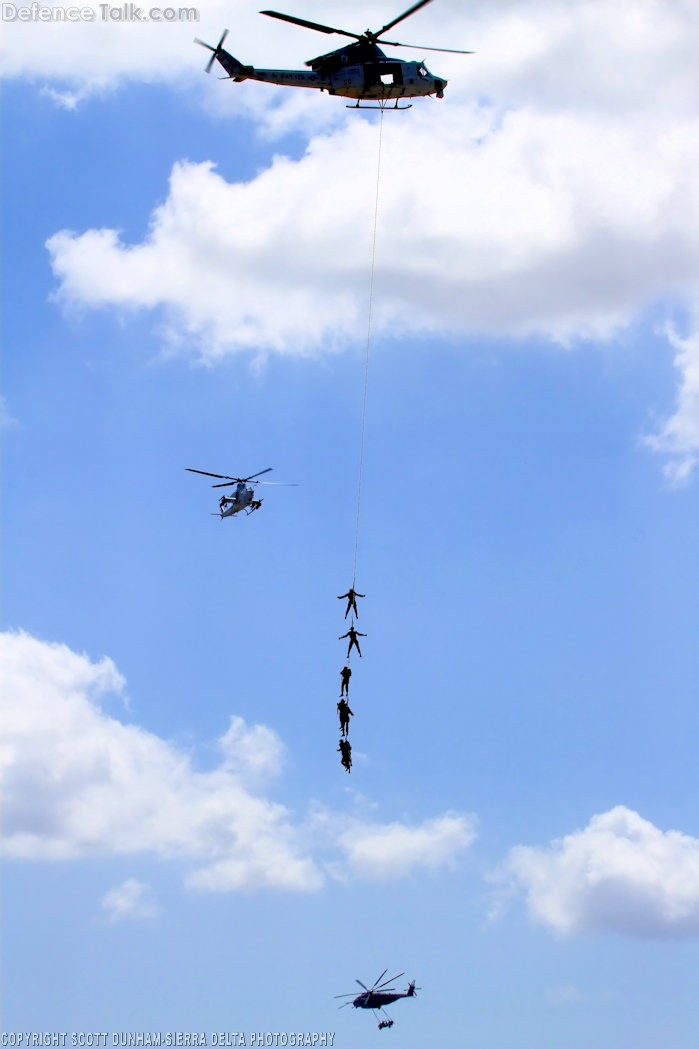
(422, 72)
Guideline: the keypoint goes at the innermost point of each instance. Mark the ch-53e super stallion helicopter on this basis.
(360, 70)
(377, 996)
(243, 497)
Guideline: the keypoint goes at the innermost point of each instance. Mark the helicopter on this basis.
(244, 496)
(359, 70)
(377, 996)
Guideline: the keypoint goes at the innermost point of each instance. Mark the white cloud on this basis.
(98, 54)
(679, 436)
(131, 899)
(95, 56)
(551, 53)
(77, 782)
(254, 752)
(561, 204)
(392, 850)
(620, 874)
(526, 224)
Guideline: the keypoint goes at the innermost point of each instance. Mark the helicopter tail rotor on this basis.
(216, 51)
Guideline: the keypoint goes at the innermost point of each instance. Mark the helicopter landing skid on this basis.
(382, 105)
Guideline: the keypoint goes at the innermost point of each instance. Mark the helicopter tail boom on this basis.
(235, 69)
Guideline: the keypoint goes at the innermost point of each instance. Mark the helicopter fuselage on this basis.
(380, 79)
(242, 499)
(377, 999)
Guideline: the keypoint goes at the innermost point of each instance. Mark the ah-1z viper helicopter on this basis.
(360, 70)
(377, 996)
(243, 497)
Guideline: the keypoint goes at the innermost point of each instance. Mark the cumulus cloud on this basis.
(524, 224)
(131, 899)
(78, 782)
(385, 851)
(552, 192)
(95, 55)
(527, 203)
(254, 752)
(554, 53)
(679, 436)
(620, 874)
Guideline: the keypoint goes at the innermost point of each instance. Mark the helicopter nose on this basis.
(439, 87)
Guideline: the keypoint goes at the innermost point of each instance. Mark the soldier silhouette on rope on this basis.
(345, 749)
(352, 634)
(344, 713)
(345, 675)
(351, 596)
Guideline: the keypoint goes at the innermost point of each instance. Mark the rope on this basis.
(366, 358)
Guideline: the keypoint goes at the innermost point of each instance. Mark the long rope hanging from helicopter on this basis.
(353, 634)
(360, 71)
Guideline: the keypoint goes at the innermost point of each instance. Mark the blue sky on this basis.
(186, 266)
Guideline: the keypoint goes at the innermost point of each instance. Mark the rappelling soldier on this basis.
(352, 634)
(345, 749)
(344, 713)
(351, 596)
(345, 675)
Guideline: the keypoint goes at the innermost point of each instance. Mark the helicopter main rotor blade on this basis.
(376, 981)
(423, 47)
(258, 474)
(406, 14)
(362, 984)
(312, 25)
(279, 484)
(387, 981)
(227, 477)
(352, 994)
(206, 472)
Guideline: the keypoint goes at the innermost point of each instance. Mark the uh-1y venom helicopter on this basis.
(360, 70)
(377, 996)
(243, 497)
